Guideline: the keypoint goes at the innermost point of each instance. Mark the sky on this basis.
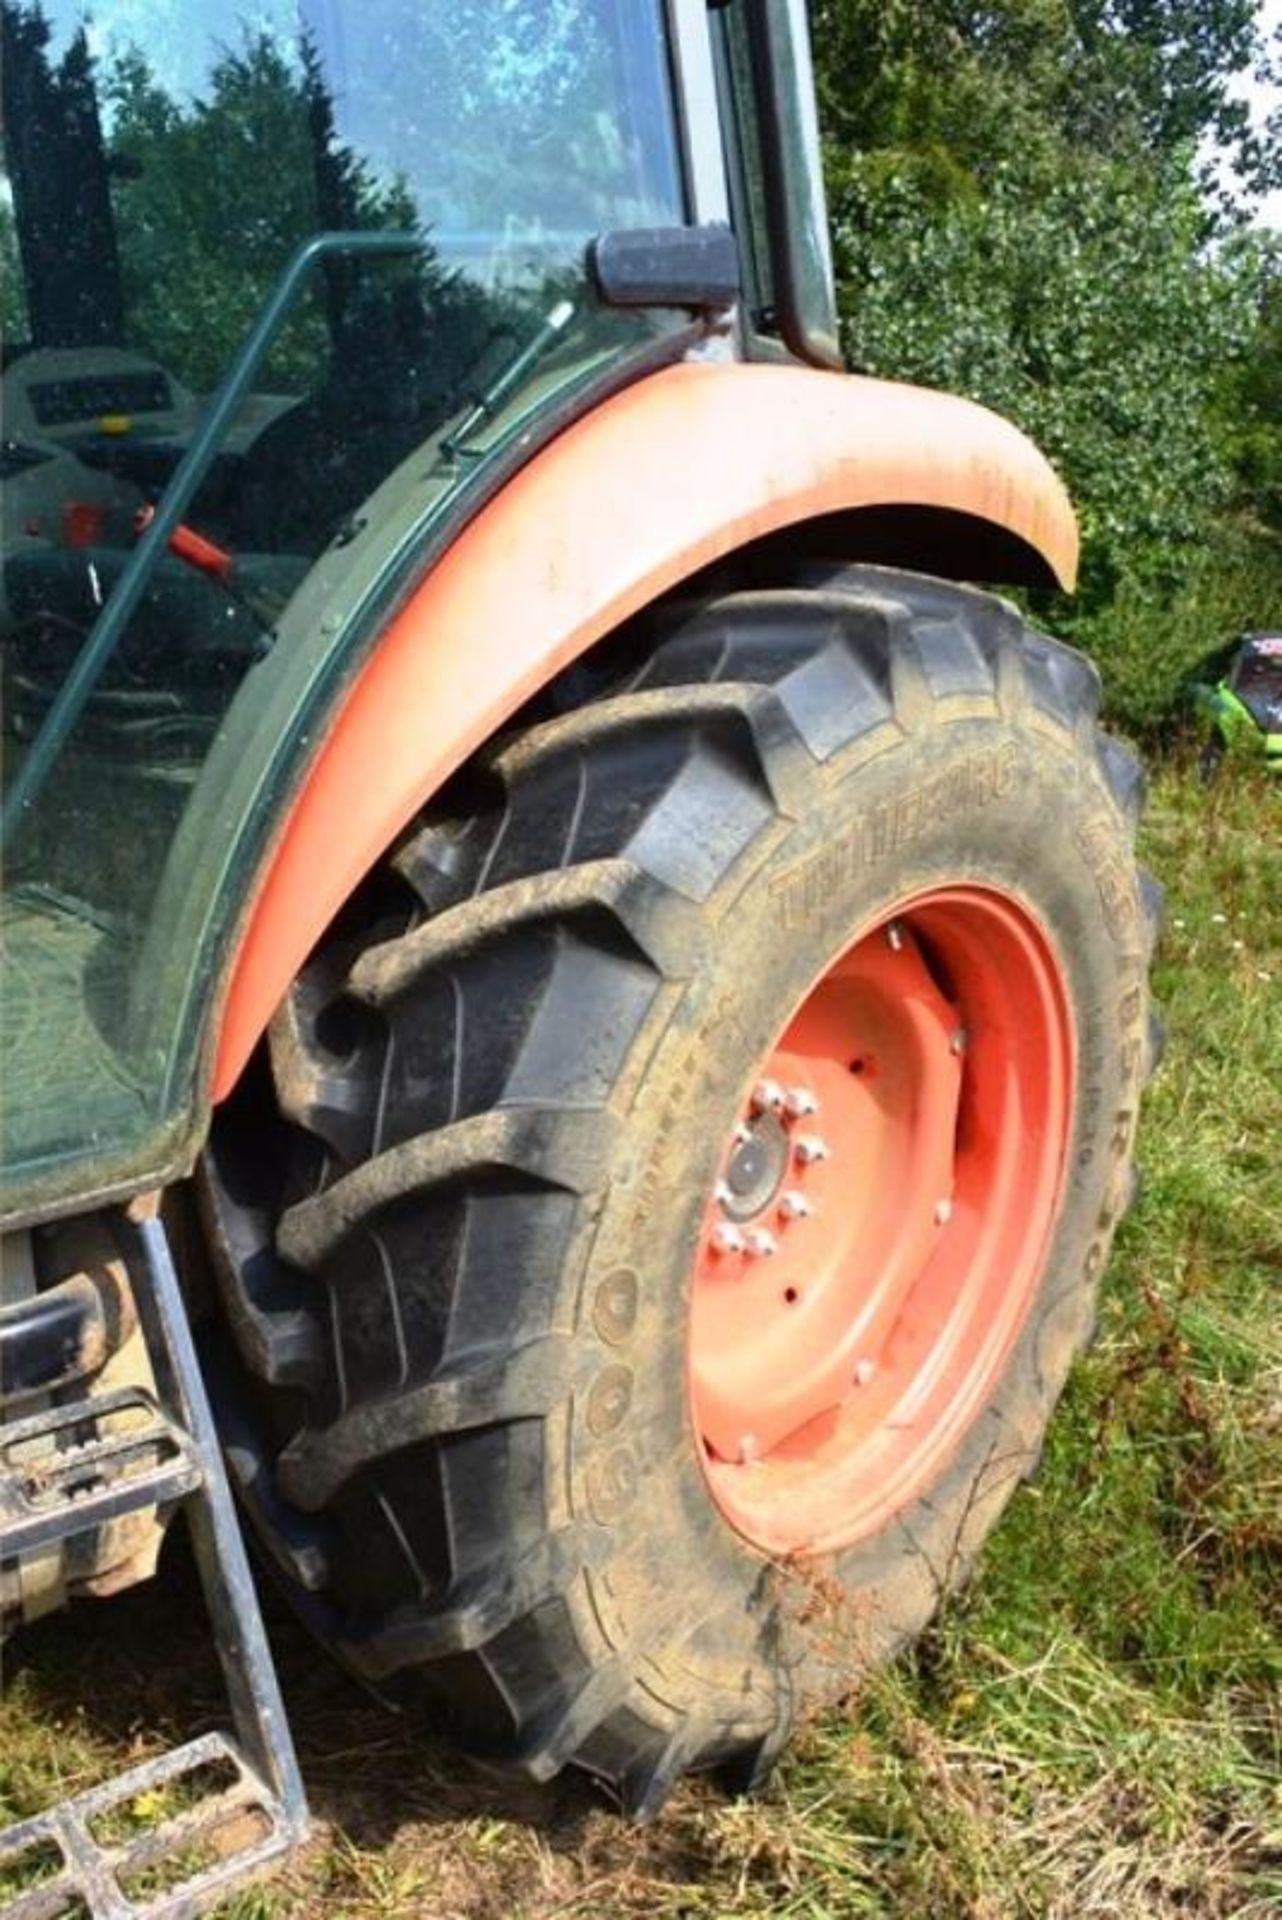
(1263, 100)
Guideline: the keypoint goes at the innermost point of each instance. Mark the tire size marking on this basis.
(974, 783)
(1114, 879)
(1121, 1128)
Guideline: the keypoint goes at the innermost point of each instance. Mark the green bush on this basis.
(1153, 635)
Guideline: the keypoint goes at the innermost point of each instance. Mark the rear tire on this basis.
(459, 1321)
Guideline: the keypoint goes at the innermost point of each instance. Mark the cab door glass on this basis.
(164, 161)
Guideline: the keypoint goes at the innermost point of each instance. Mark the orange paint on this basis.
(654, 484)
(834, 1371)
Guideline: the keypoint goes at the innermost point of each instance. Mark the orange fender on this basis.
(669, 475)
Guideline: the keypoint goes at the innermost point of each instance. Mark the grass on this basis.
(1094, 1729)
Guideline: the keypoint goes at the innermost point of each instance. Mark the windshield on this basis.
(165, 161)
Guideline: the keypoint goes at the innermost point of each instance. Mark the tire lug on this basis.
(799, 1102)
(795, 1206)
(809, 1148)
(760, 1243)
(726, 1238)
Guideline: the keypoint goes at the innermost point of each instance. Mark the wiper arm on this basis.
(487, 403)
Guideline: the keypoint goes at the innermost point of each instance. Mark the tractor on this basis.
(575, 978)
(1238, 692)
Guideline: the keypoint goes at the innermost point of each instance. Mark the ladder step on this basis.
(73, 1467)
(164, 1839)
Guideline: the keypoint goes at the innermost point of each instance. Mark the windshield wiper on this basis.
(505, 382)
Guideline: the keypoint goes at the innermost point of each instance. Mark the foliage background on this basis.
(1042, 204)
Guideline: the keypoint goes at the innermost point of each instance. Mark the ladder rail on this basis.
(73, 1467)
(258, 1710)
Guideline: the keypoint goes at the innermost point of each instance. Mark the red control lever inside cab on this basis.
(186, 544)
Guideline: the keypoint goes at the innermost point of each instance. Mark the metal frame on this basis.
(796, 212)
(698, 112)
(252, 1686)
(45, 1496)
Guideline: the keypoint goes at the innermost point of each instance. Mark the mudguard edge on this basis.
(666, 477)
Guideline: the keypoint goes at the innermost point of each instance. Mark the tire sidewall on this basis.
(1016, 804)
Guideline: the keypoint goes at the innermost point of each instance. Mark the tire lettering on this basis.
(885, 830)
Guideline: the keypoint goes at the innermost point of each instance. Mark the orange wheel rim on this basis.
(881, 1220)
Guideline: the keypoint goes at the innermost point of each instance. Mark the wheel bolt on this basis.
(959, 1041)
(943, 1212)
(760, 1243)
(749, 1449)
(795, 1206)
(726, 1238)
(768, 1096)
(723, 1192)
(895, 936)
(742, 1134)
(809, 1148)
(864, 1372)
(799, 1101)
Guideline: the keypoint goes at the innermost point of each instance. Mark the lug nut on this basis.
(959, 1041)
(864, 1372)
(809, 1148)
(726, 1238)
(723, 1192)
(768, 1096)
(895, 936)
(749, 1449)
(943, 1212)
(742, 1134)
(795, 1206)
(799, 1101)
(760, 1243)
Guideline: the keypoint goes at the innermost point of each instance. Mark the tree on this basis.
(1021, 213)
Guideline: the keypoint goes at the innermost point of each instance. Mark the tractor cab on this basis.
(1257, 679)
(286, 300)
(1239, 691)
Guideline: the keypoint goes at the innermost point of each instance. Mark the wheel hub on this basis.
(875, 1233)
(757, 1167)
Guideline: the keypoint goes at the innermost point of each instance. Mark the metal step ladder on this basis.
(225, 1808)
